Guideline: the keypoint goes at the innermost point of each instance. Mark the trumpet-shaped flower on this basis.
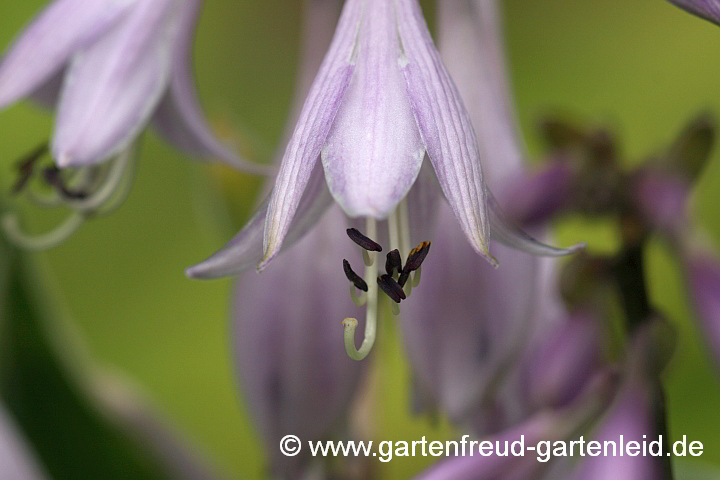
(381, 100)
(111, 66)
(108, 68)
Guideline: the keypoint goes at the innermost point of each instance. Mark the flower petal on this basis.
(547, 426)
(53, 36)
(508, 233)
(47, 94)
(295, 374)
(179, 117)
(470, 39)
(245, 250)
(311, 131)
(562, 361)
(703, 273)
(444, 125)
(707, 9)
(374, 151)
(662, 199)
(534, 197)
(113, 87)
(464, 327)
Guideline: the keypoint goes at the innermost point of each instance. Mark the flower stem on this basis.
(632, 285)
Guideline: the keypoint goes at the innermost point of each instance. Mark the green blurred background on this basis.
(643, 67)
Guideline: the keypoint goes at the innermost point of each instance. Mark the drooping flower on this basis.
(114, 66)
(381, 100)
(108, 68)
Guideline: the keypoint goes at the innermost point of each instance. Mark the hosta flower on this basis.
(382, 99)
(117, 65)
(108, 67)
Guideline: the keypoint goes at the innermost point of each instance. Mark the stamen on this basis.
(53, 177)
(371, 308)
(393, 262)
(395, 307)
(402, 280)
(119, 177)
(367, 258)
(87, 191)
(414, 260)
(416, 277)
(363, 241)
(417, 256)
(391, 288)
(356, 279)
(26, 167)
(357, 300)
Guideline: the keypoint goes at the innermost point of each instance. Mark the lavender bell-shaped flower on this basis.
(117, 64)
(381, 100)
(108, 68)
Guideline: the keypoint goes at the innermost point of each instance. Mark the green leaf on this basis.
(79, 428)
